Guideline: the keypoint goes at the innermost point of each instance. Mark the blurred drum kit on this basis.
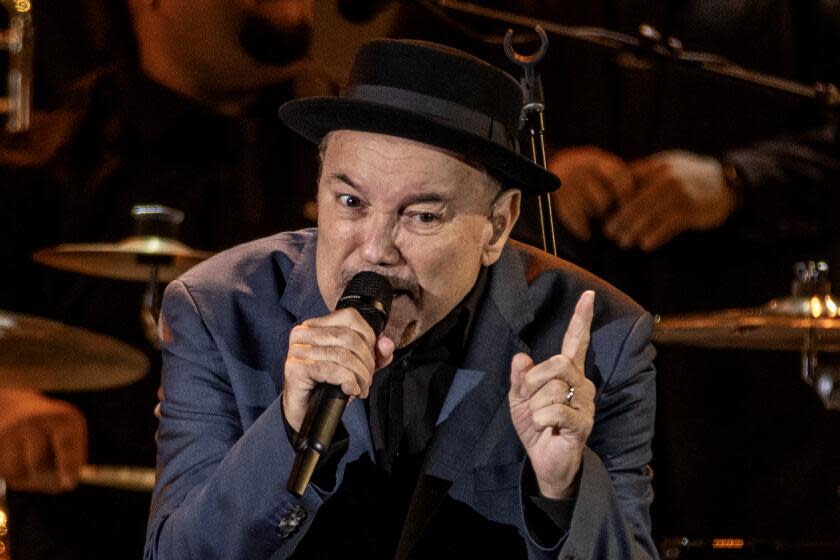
(45, 355)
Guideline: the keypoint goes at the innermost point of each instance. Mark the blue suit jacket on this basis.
(224, 456)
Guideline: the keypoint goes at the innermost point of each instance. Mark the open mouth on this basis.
(403, 293)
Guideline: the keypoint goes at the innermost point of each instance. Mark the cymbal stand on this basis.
(161, 221)
(5, 545)
(809, 357)
(824, 380)
(811, 282)
(18, 39)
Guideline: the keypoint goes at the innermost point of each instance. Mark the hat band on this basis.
(454, 114)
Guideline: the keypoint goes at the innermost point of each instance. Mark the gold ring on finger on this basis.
(569, 396)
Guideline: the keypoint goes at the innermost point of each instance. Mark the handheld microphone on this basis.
(370, 294)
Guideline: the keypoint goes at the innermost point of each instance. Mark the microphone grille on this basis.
(370, 294)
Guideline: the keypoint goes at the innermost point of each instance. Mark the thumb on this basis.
(384, 351)
(519, 366)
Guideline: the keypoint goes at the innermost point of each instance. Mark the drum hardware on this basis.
(807, 321)
(153, 255)
(119, 477)
(152, 251)
(5, 553)
(673, 548)
(18, 39)
(135, 479)
(47, 355)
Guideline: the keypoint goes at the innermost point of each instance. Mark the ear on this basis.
(503, 214)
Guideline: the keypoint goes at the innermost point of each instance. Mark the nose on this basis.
(378, 242)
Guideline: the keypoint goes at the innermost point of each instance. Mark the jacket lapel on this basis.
(302, 298)
(478, 390)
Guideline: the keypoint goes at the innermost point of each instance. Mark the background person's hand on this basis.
(676, 191)
(43, 442)
(594, 182)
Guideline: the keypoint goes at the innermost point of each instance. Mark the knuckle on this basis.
(562, 365)
(294, 367)
(339, 354)
(560, 360)
(352, 316)
(343, 336)
(347, 312)
(555, 390)
(298, 332)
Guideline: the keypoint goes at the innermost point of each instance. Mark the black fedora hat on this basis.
(433, 94)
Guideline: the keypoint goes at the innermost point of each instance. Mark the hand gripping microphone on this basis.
(370, 294)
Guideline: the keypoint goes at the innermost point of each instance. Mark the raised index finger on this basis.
(576, 340)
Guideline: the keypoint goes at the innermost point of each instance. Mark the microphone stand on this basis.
(532, 117)
(651, 43)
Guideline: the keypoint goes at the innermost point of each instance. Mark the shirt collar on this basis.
(450, 333)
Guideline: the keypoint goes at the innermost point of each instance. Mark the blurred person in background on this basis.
(183, 114)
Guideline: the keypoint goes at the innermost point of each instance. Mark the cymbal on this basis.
(782, 324)
(47, 355)
(130, 259)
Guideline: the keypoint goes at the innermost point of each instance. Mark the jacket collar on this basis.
(301, 296)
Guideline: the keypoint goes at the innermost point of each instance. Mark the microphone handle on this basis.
(316, 434)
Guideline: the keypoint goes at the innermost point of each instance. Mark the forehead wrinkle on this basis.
(433, 175)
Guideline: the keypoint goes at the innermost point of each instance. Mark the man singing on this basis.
(506, 411)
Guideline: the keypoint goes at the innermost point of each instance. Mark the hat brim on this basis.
(314, 117)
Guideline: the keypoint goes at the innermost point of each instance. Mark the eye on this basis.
(427, 218)
(349, 201)
(423, 222)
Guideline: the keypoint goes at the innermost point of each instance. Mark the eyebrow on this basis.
(348, 181)
(419, 198)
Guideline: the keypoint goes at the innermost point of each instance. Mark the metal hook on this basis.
(527, 62)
